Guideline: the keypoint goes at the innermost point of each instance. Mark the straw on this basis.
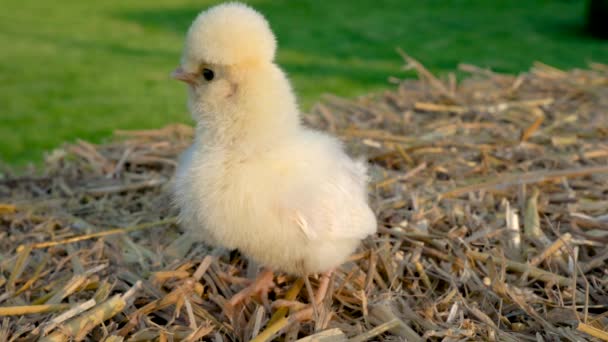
(491, 197)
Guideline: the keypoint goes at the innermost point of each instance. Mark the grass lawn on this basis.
(80, 69)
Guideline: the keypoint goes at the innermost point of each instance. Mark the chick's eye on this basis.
(208, 74)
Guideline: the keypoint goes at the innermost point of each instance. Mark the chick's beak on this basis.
(181, 75)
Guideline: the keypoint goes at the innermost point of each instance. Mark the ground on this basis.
(490, 198)
(83, 69)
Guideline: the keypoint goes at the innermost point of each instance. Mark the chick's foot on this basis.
(306, 312)
(261, 286)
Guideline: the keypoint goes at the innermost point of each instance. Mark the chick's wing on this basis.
(333, 206)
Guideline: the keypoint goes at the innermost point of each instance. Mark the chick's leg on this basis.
(323, 286)
(261, 285)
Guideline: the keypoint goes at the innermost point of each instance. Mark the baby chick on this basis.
(255, 179)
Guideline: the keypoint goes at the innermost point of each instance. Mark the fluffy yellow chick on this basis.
(255, 179)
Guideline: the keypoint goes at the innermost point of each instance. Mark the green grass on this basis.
(80, 69)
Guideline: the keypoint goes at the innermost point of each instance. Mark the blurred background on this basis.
(74, 69)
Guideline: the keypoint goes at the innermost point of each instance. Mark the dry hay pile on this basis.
(492, 198)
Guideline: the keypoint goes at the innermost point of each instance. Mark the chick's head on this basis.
(228, 61)
(231, 33)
